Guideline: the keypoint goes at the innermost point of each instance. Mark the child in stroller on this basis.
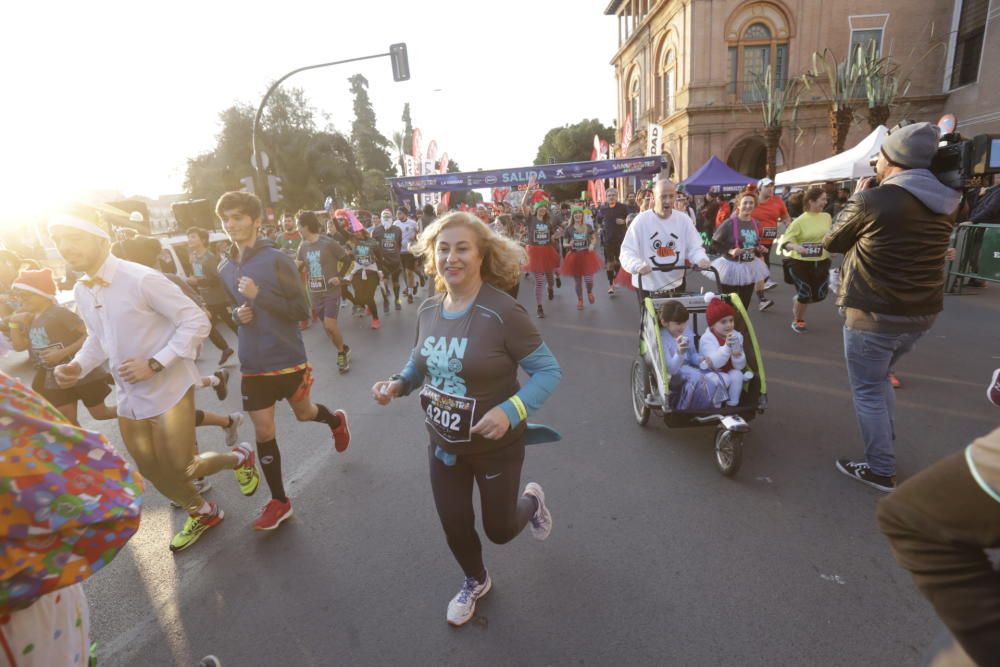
(721, 347)
(691, 387)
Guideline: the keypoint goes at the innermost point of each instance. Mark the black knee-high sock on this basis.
(324, 415)
(270, 463)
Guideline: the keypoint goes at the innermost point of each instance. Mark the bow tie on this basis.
(96, 281)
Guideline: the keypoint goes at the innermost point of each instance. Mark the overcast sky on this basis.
(117, 95)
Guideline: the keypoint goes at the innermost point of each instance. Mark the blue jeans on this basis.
(870, 356)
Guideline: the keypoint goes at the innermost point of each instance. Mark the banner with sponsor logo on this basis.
(510, 178)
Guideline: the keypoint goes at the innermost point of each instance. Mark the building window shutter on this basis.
(969, 42)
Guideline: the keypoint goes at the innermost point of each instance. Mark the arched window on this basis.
(667, 82)
(634, 89)
(758, 39)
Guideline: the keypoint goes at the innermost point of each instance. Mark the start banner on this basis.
(543, 174)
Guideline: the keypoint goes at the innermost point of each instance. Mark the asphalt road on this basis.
(655, 558)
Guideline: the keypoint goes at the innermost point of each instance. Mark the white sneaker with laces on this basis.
(541, 520)
(233, 432)
(462, 607)
(770, 284)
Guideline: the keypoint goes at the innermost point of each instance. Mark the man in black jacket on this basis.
(894, 237)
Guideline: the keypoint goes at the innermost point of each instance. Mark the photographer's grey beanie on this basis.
(913, 146)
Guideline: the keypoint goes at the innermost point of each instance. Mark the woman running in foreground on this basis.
(471, 339)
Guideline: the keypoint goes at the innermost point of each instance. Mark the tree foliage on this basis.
(370, 147)
(571, 143)
(407, 130)
(312, 163)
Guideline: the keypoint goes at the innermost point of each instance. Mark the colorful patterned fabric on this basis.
(68, 501)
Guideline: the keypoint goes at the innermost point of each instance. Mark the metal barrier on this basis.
(977, 249)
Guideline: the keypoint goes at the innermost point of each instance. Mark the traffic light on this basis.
(247, 183)
(400, 62)
(274, 187)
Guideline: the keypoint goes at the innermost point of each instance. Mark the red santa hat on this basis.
(38, 282)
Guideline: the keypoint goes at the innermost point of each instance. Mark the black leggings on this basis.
(611, 261)
(745, 292)
(364, 291)
(392, 272)
(505, 511)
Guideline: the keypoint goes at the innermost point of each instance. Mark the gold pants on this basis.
(166, 452)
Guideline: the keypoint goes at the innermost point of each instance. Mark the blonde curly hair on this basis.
(502, 257)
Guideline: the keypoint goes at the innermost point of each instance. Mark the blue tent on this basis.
(716, 174)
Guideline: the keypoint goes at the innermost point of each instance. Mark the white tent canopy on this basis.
(852, 163)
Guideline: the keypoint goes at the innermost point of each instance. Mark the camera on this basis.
(962, 163)
(965, 163)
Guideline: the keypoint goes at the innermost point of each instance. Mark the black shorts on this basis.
(409, 261)
(262, 391)
(390, 268)
(90, 394)
(811, 279)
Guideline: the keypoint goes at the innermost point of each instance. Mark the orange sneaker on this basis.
(376, 324)
(341, 434)
(274, 512)
(894, 381)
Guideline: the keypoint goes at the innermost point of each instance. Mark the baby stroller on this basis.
(651, 382)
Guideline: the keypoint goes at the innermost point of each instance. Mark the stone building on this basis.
(689, 66)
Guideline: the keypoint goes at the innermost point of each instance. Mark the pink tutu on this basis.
(542, 259)
(581, 263)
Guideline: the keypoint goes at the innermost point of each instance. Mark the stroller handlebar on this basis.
(685, 269)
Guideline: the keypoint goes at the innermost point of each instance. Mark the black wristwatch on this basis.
(155, 366)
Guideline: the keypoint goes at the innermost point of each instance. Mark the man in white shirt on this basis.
(148, 331)
(662, 238)
(410, 230)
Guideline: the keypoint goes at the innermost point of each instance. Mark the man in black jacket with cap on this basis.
(894, 237)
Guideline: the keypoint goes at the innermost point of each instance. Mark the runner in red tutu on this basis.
(541, 231)
(581, 261)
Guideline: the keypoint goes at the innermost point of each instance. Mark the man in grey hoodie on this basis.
(894, 237)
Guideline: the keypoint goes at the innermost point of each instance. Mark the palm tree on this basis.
(399, 142)
(838, 82)
(774, 98)
(882, 84)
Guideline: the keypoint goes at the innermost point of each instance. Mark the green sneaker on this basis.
(246, 475)
(344, 359)
(194, 527)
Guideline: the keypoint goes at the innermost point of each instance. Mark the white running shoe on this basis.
(541, 520)
(770, 284)
(233, 432)
(462, 607)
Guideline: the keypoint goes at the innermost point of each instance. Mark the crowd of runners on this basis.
(142, 330)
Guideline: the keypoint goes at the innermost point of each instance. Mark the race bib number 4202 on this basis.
(450, 416)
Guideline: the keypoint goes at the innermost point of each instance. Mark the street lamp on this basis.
(400, 72)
